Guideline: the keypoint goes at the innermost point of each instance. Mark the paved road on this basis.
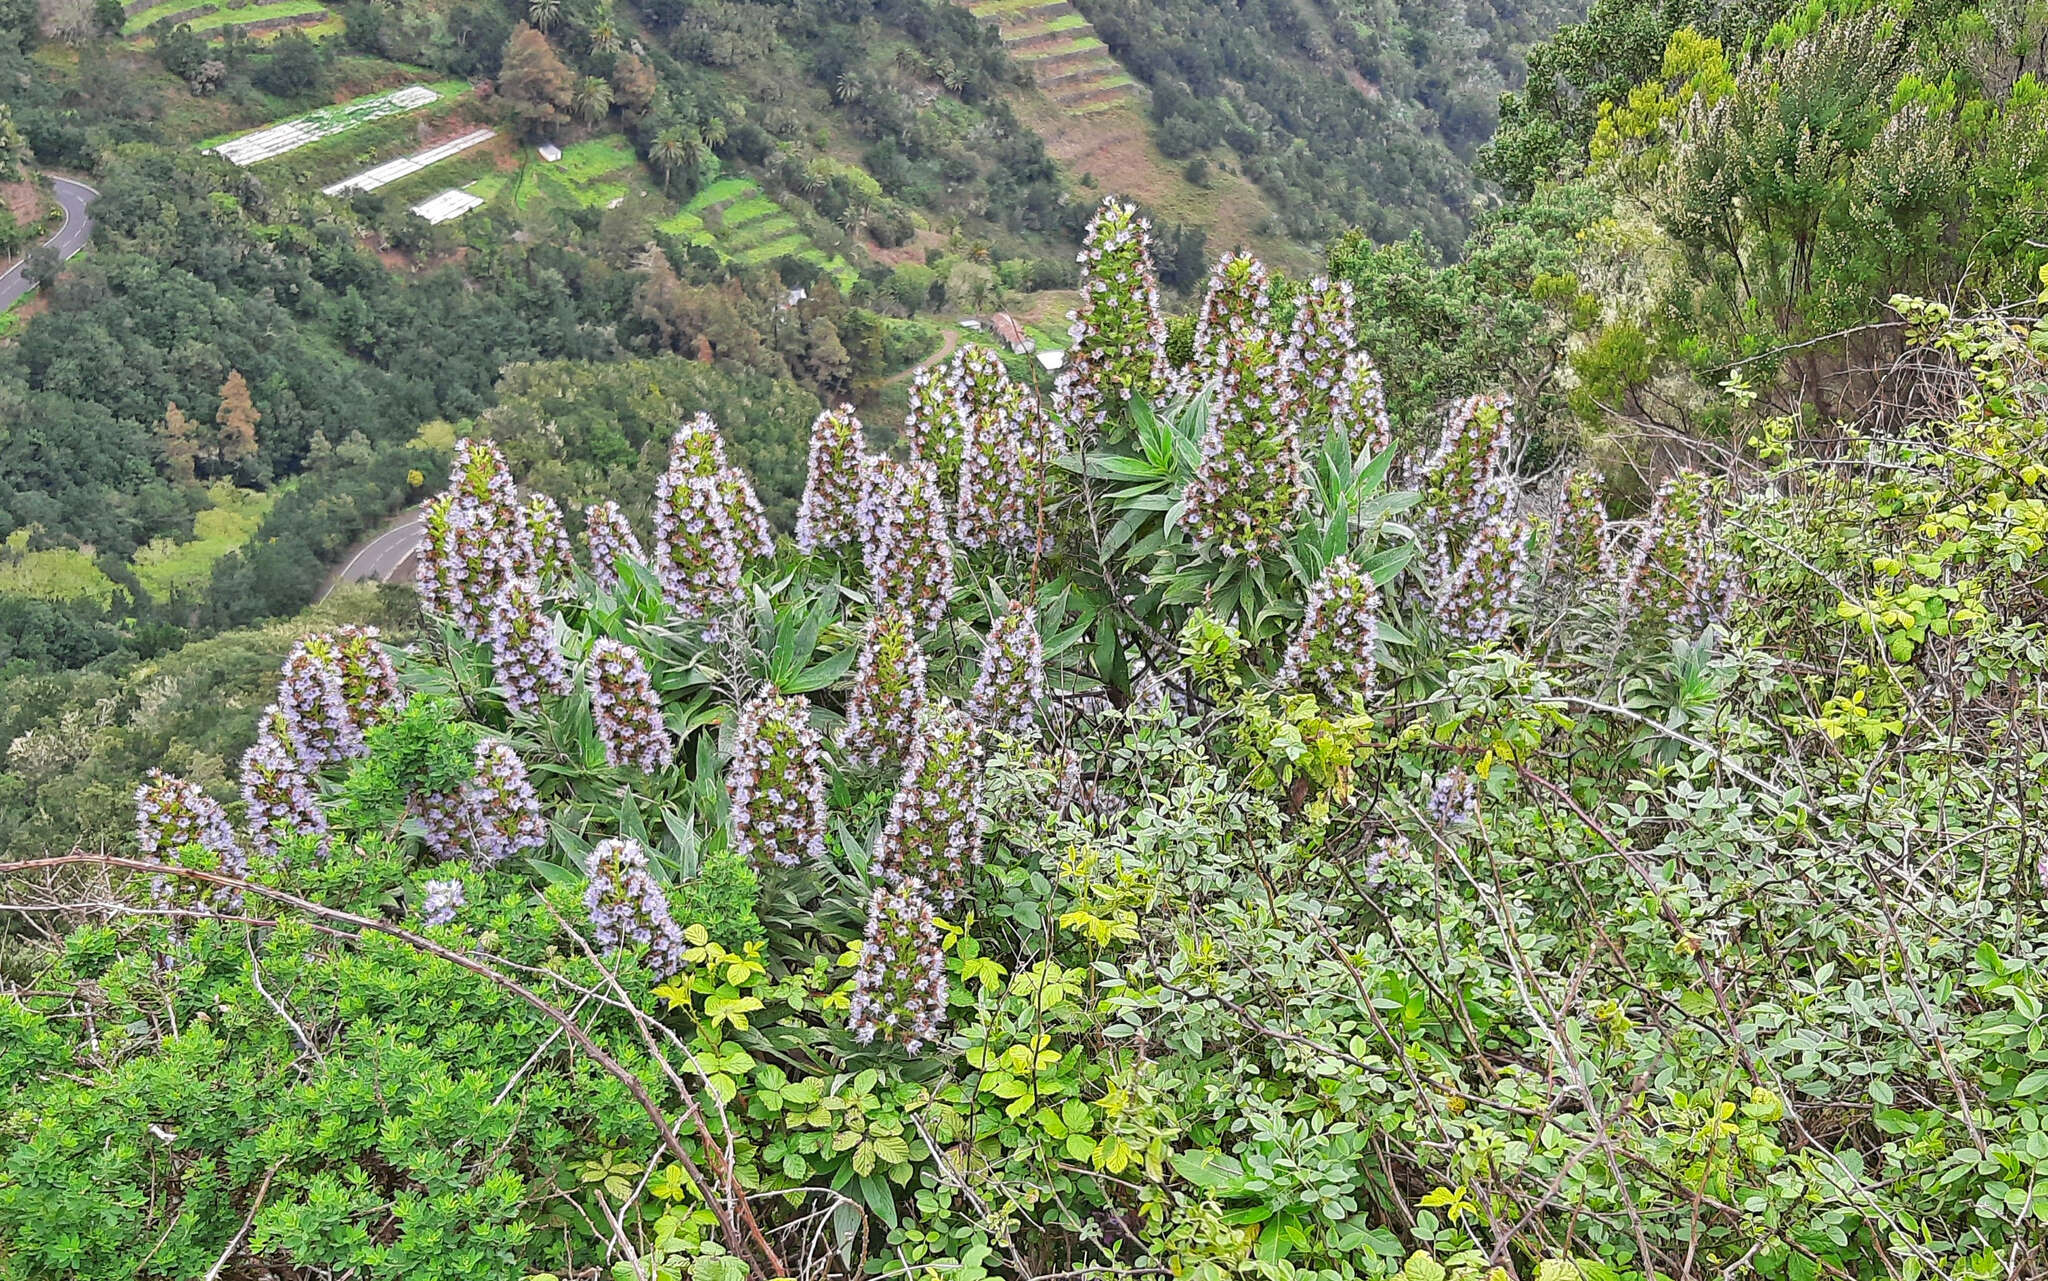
(74, 197)
(383, 557)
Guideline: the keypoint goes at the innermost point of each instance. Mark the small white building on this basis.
(549, 152)
(1052, 360)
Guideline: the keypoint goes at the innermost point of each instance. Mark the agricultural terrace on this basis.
(327, 122)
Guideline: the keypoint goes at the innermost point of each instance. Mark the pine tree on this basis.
(179, 446)
(237, 418)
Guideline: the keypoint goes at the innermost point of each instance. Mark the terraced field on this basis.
(250, 17)
(1067, 60)
(733, 216)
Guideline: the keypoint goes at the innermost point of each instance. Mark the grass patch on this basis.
(458, 170)
(593, 158)
(723, 191)
(745, 211)
(165, 567)
(61, 573)
(256, 13)
(1082, 44)
(794, 243)
(755, 233)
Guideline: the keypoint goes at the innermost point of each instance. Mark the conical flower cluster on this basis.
(1319, 345)
(440, 902)
(627, 909)
(1679, 576)
(1236, 300)
(1453, 801)
(172, 813)
(611, 539)
(888, 692)
(1359, 408)
(1119, 337)
(1476, 599)
(475, 539)
(933, 832)
(1578, 549)
(830, 514)
(933, 430)
(904, 546)
(1472, 451)
(697, 550)
(491, 817)
(312, 702)
(627, 710)
(1248, 487)
(1011, 683)
(777, 781)
(548, 535)
(697, 450)
(278, 797)
(1008, 457)
(523, 652)
(369, 680)
(899, 988)
(1333, 649)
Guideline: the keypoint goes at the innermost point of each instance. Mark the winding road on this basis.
(74, 198)
(382, 558)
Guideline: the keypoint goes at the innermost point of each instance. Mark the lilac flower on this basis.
(369, 681)
(1319, 345)
(904, 546)
(627, 710)
(1579, 550)
(499, 813)
(611, 538)
(933, 429)
(279, 800)
(1680, 576)
(698, 451)
(933, 832)
(830, 513)
(899, 987)
(1333, 649)
(1247, 489)
(313, 706)
(1359, 408)
(777, 779)
(697, 550)
(1476, 598)
(441, 901)
(1453, 801)
(172, 814)
(1119, 337)
(541, 521)
(466, 557)
(888, 691)
(523, 653)
(627, 909)
(1011, 682)
(1008, 461)
(1472, 452)
(1236, 300)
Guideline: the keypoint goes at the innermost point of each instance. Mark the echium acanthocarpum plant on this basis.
(1236, 300)
(493, 815)
(932, 427)
(899, 987)
(1578, 545)
(1319, 344)
(369, 680)
(1476, 598)
(933, 832)
(697, 450)
(1011, 683)
(777, 782)
(466, 557)
(440, 901)
(523, 652)
(173, 814)
(698, 554)
(278, 796)
(1472, 451)
(1333, 651)
(1009, 461)
(626, 709)
(611, 539)
(830, 513)
(903, 539)
(627, 908)
(1453, 802)
(888, 691)
(1679, 577)
(313, 705)
(479, 475)
(1358, 408)
(1118, 336)
(1247, 490)
(549, 537)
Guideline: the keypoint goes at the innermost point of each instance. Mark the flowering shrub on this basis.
(1003, 474)
(904, 545)
(888, 691)
(899, 989)
(1011, 683)
(698, 451)
(545, 532)
(1358, 407)
(627, 710)
(1118, 335)
(278, 797)
(1334, 648)
(523, 651)
(933, 430)
(627, 909)
(1321, 344)
(830, 514)
(611, 539)
(1247, 491)
(699, 555)
(499, 813)
(933, 833)
(440, 901)
(777, 781)
(173, 814)
(1236, 301)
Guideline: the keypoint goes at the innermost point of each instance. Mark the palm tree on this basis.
(604, 36)
(713, 131)
(669, 150)
(592, 99)
(848, 89)
(544, 14)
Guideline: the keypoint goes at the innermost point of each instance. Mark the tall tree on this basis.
(179, 446)
(539, 87)
(237, 418)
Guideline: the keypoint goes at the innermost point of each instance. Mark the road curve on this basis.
(74, 198)
(380, 559)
